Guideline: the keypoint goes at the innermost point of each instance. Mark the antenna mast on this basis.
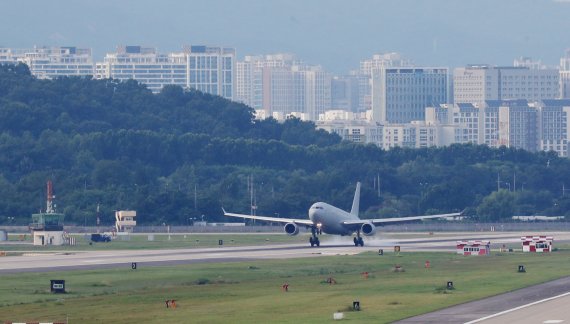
(50, 207)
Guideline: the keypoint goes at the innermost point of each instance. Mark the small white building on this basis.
(537, 243)
(125, 220)
(49, 238)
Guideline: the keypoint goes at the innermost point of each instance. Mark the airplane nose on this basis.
(311, 214)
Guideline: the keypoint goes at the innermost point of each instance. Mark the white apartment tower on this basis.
(248, 81)
(211, 69)
(377, 62)
(279, 84)
(554, 131)
(11, 55)
(145, 65)
(565, 76)
(53, 62)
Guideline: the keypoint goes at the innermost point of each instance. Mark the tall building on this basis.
(554, 131)
(249, 81)
(145, 65)
(478, 83)
(345, 92)
(211, 69)
(11, 55)
(565, 76)
(279, 84)
(401, 94)
(367, 67)
(208, 69)
(52, 62)
(518, 126)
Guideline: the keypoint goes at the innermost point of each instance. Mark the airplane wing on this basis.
(306, 222)
(384, 221)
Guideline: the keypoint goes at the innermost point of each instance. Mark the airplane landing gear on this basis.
(358, 240)
(314, 240)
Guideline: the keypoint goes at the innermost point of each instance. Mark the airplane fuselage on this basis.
(329, 218)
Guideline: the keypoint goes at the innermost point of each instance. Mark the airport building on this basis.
(538, 244)
(473, 247)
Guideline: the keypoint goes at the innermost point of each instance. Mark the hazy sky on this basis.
(336, 34)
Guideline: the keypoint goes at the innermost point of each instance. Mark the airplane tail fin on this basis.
(356, 202)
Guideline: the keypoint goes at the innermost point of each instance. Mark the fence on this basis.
(420, 227)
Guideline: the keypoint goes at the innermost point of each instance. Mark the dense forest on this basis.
(180, 155)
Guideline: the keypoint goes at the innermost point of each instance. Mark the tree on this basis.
(497, 206)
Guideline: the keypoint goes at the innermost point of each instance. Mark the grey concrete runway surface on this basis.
(480, 311)
(331, 245)
(549, 311)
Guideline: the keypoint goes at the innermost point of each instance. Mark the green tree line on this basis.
(177, 155)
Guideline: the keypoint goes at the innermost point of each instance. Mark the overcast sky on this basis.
(333, 33)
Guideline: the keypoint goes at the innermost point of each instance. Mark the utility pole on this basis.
(378, 185)
(514, 181)
(498, 182)
(98, 218)
(195, 197)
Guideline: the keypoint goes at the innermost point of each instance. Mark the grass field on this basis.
(251, 291)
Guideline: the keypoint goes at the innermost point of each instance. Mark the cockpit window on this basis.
(318, 207)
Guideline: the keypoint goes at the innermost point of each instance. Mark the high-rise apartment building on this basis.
(51, 62)
(145, 65)
(207, 69)
(367, 67)
(211, 69)
(565, 76)
(11, 55)
(478, 83)
(554, 131)
(280, 84)
(345, 92)
(401, 94)
(249, 88)
(518, 126)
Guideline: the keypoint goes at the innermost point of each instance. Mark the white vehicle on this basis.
(325, 218)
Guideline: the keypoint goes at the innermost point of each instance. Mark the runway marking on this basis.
(517, 308)
(552, 321)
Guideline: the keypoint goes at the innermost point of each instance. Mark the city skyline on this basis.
(334, 34)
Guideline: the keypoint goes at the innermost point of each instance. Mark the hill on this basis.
(177, 155)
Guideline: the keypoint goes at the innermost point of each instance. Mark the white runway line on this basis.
(517, 308)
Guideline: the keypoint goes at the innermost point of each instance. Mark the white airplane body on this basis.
(325, 218)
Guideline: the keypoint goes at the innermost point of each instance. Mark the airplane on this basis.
(325, 218)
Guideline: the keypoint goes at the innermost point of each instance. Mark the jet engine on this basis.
(291, 229)
(368, 229)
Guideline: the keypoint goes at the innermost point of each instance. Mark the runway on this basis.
(527, 305)
(331, 245)
(493, 309)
